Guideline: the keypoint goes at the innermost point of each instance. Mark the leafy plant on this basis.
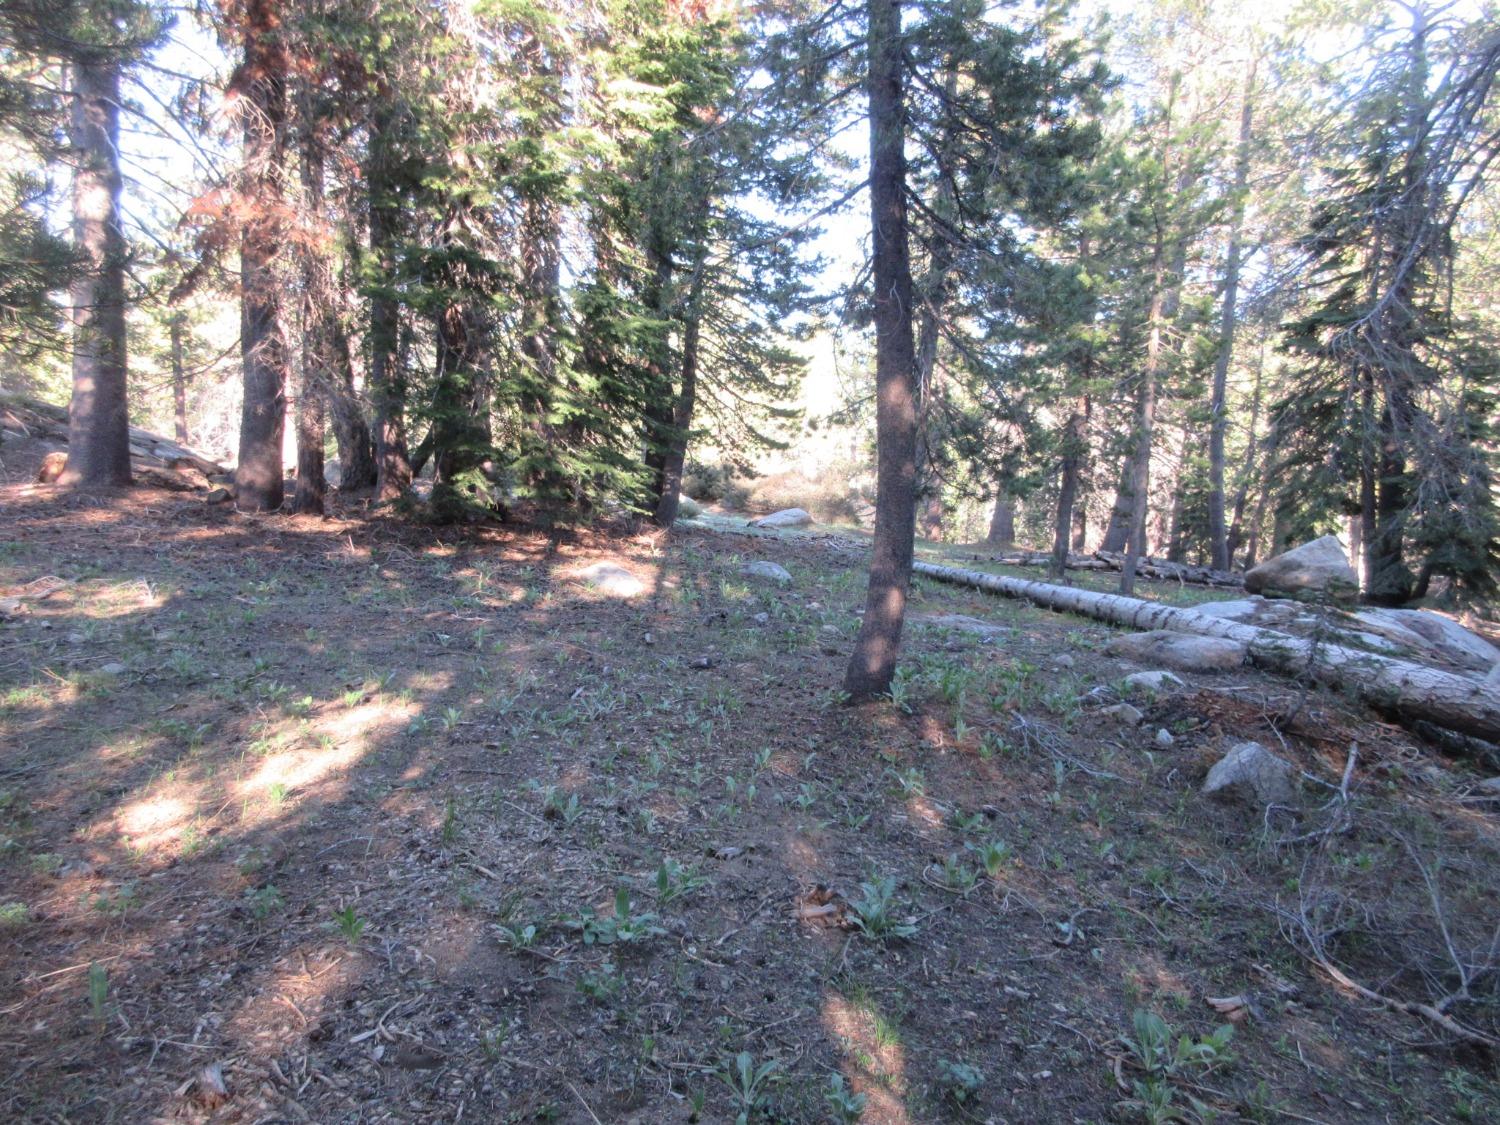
(518, 937)
(264, 901)
(350, 924)
(961, 1081)
(993, 856)
(846, 1106)
(747, 1083)
(623, 926)
(673, 880)
(874, 911)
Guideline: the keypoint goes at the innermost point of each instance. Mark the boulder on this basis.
(615, 581)
(768, 571)
(1250, 770)
(688, 508)
(1152, 681)
(787, 517)
(52, 467)
(1186, 652)
(1313, 569)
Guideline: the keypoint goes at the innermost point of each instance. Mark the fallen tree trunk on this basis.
(1109, 560)
(1412, 692)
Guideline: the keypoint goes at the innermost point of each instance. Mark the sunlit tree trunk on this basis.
(98, 420)
(878, 645)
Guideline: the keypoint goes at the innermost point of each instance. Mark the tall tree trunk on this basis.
(1218, 536)
(258, 478)
(1247, 473)
(675, 457)
(387, 380)
(98, 419)
(318, 321)
(873, 662)
(1117, 530)
(179, 383)
(1067, 492)
(1002, 521)
(1145, 424)
(350, 430)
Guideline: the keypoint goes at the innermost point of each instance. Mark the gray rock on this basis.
(613, 580)
(1163, 739)
(964, 624)
(1250, 770)
(218, 496)
(1489, 785)
(762, 618)
(1064, 661)
(688, 508)
(787, 517)
(1319, 567)
(1423, 628)
(1152, 681)
(113, 668)
(769, 571)
(1186, 652)
(1130, 716)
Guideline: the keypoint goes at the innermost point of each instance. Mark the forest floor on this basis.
(353, 820)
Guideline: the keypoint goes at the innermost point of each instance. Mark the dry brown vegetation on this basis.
(281, 801)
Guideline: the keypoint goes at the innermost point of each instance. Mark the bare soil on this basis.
(328, 820)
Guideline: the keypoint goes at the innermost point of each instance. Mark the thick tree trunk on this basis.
(1413, 692)
(1218, 535)
(1145, 425)
(350, 430)
(179, 383)
(98, 418)
(258, 477)
(1236, 531)
(878, 645)
(675, 457)
(318, 320)
(1117, 530)
(387, 381)
(1002, 521)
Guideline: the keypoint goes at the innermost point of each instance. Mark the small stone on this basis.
(1152, 681)
(217, 496)
(1125, 713)
(761, 618)
(1064, 661)
(1163, 739)
(649, 638)
(769, 571)
(76, 638)
(1249, 769)
(113, 668)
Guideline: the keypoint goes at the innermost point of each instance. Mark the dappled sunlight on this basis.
(151, 822)
(924, 813)
(282, 774)
(874, 1057)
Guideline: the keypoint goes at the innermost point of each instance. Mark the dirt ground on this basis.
(353, 820)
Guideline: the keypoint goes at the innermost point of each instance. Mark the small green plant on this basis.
(960, 1081)
(277, 791)
(903, 691)
(747, 1084)
(520, 938)
(623, 926)
(994, 855)
(874, 911)
(601, 986)
(350, 924)
(557, 807)
(13, 915)
(673, 880)
(967, 822)
(264, 901)
(909, 782)
(98, 991)
(846, 1106)
(450, 821)
(452, 718)
(958, 875)
(1153, 1050)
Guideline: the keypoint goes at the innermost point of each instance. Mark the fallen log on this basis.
(1107, 560)
(1411, 692)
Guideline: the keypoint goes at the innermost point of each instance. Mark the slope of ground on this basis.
(347, 820)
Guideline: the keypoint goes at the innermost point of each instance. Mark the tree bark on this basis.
(1218, 536)
(350, 430)
(1145, 424)
(393, 471)
(1242, 494)
(675, 458)
(873, 662)
(1413, 692)
(98, 417)
(318, 320)
(179, 382)
(262, 79)
(1002, 521)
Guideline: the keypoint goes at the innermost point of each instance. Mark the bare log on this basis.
(1411, 692)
